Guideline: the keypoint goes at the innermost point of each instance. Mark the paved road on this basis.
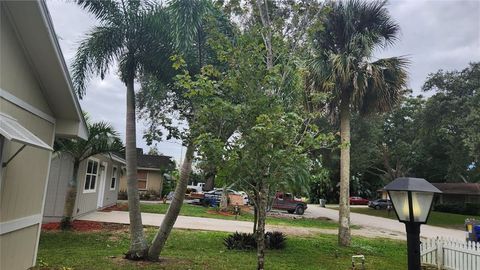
(199, 223)
(388, 226)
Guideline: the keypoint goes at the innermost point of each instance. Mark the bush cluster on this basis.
(149, 195)
(465, 209)
(246, 241)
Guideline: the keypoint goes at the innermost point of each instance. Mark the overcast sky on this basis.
(440, 34)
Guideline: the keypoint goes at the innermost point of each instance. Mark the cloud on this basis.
(434, 35)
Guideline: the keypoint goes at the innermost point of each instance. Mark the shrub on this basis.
(466, 209)
(275, 240)
(122, 195)
(240, 241)
(247, 241)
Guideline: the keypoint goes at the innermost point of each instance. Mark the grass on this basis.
(204, 250)
(200, 211)
(440, 219)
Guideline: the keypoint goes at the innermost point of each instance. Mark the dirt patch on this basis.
(86, 226)
(220, 213)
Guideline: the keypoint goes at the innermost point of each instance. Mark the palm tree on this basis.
(129, 35)
(342, 66)
(102, 139)
(188, 18)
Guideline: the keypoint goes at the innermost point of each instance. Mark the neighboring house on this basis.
(452, 193)
(98, 183)
(150, 172)
(37, 104)
(458, 193)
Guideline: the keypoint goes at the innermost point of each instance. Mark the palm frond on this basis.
(103, 45)
(387, 80)
(104, 10)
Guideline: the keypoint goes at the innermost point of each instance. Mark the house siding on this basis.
(154, 181)
(15, 71)
(61, 171)
(24, 179)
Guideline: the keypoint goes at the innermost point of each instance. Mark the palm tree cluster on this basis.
(144, 38)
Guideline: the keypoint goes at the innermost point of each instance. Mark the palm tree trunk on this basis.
(172, 213)
(71, 197)
(344, 236)
(260, 233)
(138, 244)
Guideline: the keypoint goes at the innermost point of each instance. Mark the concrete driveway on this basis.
(388, 226)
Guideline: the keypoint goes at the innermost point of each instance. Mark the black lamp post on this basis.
(412, 200)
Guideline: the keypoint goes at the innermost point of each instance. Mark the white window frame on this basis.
(87, 174)
(114, 175)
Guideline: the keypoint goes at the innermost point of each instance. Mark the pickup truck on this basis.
(286, 201)
(198, 188)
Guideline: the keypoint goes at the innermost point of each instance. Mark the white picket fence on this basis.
(450, 254)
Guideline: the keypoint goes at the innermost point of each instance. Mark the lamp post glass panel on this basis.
(412, 200)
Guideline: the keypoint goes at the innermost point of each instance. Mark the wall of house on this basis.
(61, 170)
(23, 181)
(15, 71)
(88, 201)
(154, 181)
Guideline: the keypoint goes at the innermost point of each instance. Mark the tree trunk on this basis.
(255, 218)
(172, 213)
(138, 243)
(260, 234)
(344, 236)
(210, 179)
(71, 198)
(224, 200)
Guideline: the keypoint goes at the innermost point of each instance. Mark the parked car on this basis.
(380, 204)
(358, 201)
(286, 201)
(212, 197)
(244, 196)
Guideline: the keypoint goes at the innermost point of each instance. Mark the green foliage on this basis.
(102, 139)
(246, 241)
(240, 241)
(131, 33)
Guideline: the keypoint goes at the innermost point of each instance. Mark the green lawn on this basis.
(446, 220)
(204, 250)
(200, 211)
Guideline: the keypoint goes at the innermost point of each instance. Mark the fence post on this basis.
(439, 253)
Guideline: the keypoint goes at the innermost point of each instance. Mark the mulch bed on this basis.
(84, 226)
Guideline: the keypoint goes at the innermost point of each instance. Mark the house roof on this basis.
(459, 188)
(34, 28)
(153, 162)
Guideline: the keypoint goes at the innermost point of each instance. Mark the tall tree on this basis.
(342, 48)
(163, 98)
(102, 139)
(128, 36)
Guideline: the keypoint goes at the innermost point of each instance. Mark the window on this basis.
(113, 183)
(142, 180)
(91, 176)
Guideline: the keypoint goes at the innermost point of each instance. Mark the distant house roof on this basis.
(459, 188)
(153, 162)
